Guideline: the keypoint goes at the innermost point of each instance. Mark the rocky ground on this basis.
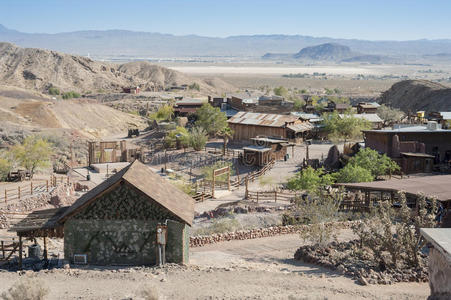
(349, 259)
(246, 269)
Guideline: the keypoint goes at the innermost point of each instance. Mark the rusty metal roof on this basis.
(145, 180)
(437, 186)
(261, 119)
(300, 127)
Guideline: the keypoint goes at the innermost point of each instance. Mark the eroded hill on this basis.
(414, 95)
(40, 69)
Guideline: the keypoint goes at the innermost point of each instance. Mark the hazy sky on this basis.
(362, 19)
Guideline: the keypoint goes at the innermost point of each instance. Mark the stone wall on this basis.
(120, 228)
(199, 241)
(439, 275)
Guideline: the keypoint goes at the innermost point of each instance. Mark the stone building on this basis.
(115, 223)
(439, 264)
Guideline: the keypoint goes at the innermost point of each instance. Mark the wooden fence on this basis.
(31, 188)
(275, 196)
(8, 246)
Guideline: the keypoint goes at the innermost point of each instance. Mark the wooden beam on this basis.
(20, 252)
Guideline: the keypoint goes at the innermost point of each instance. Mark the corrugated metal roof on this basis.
(300, 127)
(190, 101)
(373, 118)
(305, 116)
(260, 119)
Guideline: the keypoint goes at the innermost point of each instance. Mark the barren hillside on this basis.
(414, 95)
(40, 69)
(31, 111)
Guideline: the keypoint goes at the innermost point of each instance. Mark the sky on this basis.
(360, 19)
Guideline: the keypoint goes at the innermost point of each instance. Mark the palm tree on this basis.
(226, 133)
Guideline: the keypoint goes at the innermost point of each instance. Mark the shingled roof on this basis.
(145, 180)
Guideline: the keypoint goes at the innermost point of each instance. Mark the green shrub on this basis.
(54, 91)
(70, 95)
(198, 138)
(194, 86)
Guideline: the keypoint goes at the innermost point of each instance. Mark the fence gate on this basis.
(218, 172)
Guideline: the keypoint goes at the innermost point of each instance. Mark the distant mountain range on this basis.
(331, 52)
(122, 43)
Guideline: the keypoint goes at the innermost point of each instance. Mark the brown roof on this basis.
(301, 127)
(152, 185)
(437, 186)
(260, 119)
(39, 220)
(341, 106)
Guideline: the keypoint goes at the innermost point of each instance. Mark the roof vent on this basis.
(432, 125)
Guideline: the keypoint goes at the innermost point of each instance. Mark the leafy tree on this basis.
(164, 113)
(280, 91)
(377, 164)
(339, 99)
(211, 119)
(5, 166)
(298, 104)
(353, 173)
(181, 134)
(389, 115)
(309, 179)
(303, 91)
(346, 127)
(33, 153)
(328, 91)
(198, 138)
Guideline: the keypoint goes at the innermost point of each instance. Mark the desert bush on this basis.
(179, 133)
(164, 113)
(26, 289)
(353, 173)
(346, 127)
(194, 86)
(316, 211)
(198, 138)
(70, 95)
(220, 226)
(54, 91)
(148, 292)
(396, 231)
(5, 165)
(281, 91)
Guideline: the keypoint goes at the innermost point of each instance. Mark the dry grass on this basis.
(26, 289)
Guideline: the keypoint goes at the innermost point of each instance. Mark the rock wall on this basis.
(439, 275)
(199, 241)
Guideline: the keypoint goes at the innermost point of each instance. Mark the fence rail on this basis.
(31, 188)
(271, 196)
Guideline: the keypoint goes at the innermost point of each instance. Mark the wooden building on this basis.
(366, 108)
(187, 106)
(247, 125)
(111, 152)
(116, 222)
(418, 146)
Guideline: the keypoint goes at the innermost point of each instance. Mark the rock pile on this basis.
(199, 241)
(344, 258)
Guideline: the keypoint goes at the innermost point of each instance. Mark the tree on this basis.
(5, 166)
(297, 104)
(180, 134)
(198, 138)
(211, 119)
(344, 127)
(389, 115)
(377, 164)
(225, 133)
(34, 153)
(164, 113)
(353, 173)
(310, 180)
(280, 91)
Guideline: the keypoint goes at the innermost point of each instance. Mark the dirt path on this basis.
(250, 269)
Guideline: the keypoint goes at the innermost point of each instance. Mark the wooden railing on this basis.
(8, 246)
(281, 195)
(31, 188)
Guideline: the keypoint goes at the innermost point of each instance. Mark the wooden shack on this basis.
(111, 152)
(247, 125)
